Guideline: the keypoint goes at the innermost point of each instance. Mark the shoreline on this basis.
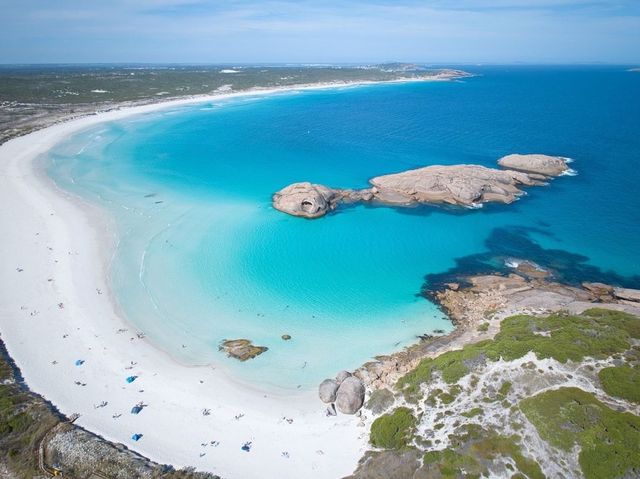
(56, 261)
(163, 102)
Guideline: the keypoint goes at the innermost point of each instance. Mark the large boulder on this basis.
(540, 164)
(350, 396)
(327, 390)
(341, 376)
(306, 200)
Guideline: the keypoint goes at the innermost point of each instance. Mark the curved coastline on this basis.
(41, 341)
(53, 288)
(53, 316)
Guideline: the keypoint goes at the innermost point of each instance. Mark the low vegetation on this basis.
(394, 430)
(478, 453)
(468, 417)
(596, 333)
(622, 381)
(609, 440)
(23, 422)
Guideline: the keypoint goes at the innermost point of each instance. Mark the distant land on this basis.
(34, 96)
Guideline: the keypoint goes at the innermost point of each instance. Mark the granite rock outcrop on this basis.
(459, 185)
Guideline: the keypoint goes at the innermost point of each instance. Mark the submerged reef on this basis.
(457, 185)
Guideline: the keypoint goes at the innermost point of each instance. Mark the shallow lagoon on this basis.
(203, 257)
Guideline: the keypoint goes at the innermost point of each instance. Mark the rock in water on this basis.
(350, 396)
(540, 164)
(327, 390)
(286, 337)
(342, 375)
(463, 185)
(241, 349)
(306, 200)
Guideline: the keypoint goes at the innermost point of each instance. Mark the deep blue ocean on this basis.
(204, 257)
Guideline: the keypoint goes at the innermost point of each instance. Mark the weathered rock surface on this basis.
(241, 349)
(515, 293)
(473, 300)
(350, 396)
(327, 390)
(341, 376)
(462, 185)
(459, 185)
(540, 164)
(601, 290)
(627, 294)
(306, 199)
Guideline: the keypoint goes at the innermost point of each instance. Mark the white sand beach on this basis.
(55, 309)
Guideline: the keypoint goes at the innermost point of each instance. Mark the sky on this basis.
(313, 31)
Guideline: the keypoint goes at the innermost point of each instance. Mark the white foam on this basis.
(512, 263)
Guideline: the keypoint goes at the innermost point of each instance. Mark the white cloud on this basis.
(356, 30)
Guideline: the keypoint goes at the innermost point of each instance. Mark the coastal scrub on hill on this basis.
(517, 405)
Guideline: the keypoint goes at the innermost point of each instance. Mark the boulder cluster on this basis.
(458, 185)
(344, 393)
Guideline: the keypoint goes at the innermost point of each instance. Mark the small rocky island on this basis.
(458, 185)
(241, 349)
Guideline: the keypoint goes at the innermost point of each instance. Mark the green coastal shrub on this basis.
(609, 440)
(472, 456)
(394, 430)
(476, 411)
(622, 381)
(595, 333)
(493, 445)
(449, 463)
(505, 388)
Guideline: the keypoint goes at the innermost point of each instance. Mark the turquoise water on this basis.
(203, 256)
